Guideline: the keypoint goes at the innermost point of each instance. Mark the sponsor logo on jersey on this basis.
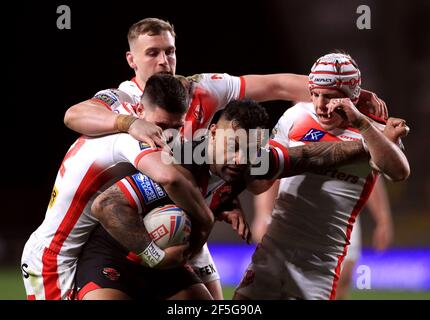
(313, 135)
(107, 97)
(143, 145)
(54, 195)
(24, 267)
(111, 273)
(150, 190)
(339, 175)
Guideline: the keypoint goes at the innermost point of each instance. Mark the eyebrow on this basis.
(158, 48)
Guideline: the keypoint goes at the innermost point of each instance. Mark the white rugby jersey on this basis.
(210, 92)
(89, 167)
(316, 211)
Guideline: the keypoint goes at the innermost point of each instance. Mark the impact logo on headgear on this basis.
(336, 71)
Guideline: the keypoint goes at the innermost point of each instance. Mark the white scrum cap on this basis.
(336, 71)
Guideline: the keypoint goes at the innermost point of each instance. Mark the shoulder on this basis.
(296, 112)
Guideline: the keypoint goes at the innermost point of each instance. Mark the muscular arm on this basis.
(320, 155)
(122, 221)
(283, 86)
(90, 118)
(263, 207)
(386, 155)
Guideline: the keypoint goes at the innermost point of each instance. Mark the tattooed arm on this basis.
(387, 156)
(125, 225)
(314, 156)
(290, 161)
(121, 220)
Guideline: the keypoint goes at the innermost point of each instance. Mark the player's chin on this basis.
(328, 124)
(231, 174)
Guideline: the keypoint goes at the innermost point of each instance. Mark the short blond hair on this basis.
(151, 26)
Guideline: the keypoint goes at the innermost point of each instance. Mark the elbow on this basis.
(401, 175)
(69, 117)
(96, 208)
(100, 209)
(167, 179)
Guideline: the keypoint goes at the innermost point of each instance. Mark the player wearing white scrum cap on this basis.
(301, 254)
(336, 71)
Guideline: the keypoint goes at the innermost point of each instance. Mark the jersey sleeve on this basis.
(224, 87)
(280, 132)
(114, 100)
(279, 161)
(143, 193)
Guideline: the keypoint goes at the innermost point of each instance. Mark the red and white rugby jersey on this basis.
(316, 211)
(210, 92)
(89, 167)
(145, 194)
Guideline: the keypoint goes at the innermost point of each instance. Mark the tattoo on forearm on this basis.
(314, 156)
(122, 221)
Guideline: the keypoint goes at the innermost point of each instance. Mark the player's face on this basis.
(162, 118)
(320, 99)
(228, 152)
(153, 54)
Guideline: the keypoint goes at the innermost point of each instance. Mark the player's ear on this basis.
(130, 60)
(212, 130)
(140, 109)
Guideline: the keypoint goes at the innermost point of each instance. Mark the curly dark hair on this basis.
(247, 113)
(166, 92)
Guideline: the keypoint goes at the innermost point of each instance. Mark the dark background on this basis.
(51, 69)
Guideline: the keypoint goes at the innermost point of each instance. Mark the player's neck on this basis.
(140, 83)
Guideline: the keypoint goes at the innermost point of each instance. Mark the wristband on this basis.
(152, 255)
(123, 122)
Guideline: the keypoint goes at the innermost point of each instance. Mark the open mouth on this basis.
(165, 71)
(323, 117)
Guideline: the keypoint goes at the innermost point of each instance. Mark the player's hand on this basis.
(199, 236)
(346, 109)
(369, 102)
(174, 256)
(395, 129)
(147, 132)
(382, 236)
(238, 222)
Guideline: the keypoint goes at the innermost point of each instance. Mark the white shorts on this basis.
(354, 249)
(204, 265)
(47, 275)
(280, 273)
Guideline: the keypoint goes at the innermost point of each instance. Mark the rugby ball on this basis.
(168, 226)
